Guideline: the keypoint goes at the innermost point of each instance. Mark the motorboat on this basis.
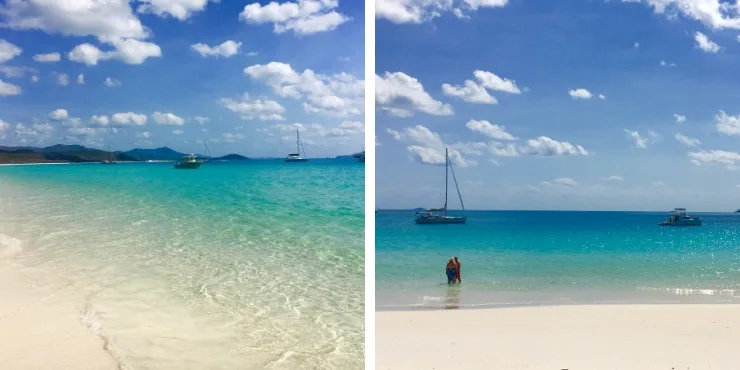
(189, 162)
(679, 217)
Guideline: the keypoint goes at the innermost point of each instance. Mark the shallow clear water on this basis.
(251, 265)
(522, 257)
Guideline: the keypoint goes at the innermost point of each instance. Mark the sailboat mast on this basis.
(110, 154)
(446, 162)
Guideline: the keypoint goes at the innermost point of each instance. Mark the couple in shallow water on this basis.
(453, 271)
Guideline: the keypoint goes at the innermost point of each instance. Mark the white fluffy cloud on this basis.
(419, 11)
(80, 79)
(400, 95)
(716, 14)
(728, 159)
(47, 58)
(99, 121)
(475, 92)
(63, 79)
(547, 147)
(470, 92)
(8, 89)
(226, 49)
(14, 72)
(580, 94)
(254, 109)
(177, 132)
(129, 51)
(59, 114)
(111, 82)
(338, 95)
(679, 118)
(8, 51)
(491, 130)
(688, 141)
(36, 132)
(613, 178)
(167, 119)
(129, 119)
(728, 125)
(704, 43)
(561, 181)
(180, 9)
(303, 17)
(4, 126)
(642, 141)
(201, 120)
(428, 148)
(74, 17)
(496, 83)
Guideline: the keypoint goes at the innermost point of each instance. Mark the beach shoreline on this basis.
(594, 337)
(42, 325)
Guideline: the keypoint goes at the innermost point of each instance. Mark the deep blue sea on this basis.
(550, 257)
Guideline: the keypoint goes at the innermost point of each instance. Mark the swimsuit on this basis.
(451, 273)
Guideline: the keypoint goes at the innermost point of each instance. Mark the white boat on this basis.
(296, 157)
(439, 215)
(681, 218)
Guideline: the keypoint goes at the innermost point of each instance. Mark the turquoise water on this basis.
(236, 265)
(523, 257)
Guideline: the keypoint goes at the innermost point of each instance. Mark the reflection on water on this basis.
(452, 297)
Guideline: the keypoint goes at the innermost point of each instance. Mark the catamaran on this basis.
(111, 158)
(439, 215)
(296, 157)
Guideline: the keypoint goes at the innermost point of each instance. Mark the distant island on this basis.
(231, 157)
(81, 154)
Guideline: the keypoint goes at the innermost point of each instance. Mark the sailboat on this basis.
(439, 215)
(296, 157)
(208, 152)
(111, 159)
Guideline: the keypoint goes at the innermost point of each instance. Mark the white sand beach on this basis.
(598, 337)
(44, 328)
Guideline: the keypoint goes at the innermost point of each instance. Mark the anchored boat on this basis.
(111, 157)
(189, 162)
(439, 215)
(296, 157)
(681, 218)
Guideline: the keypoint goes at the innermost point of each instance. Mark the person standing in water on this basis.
(457, 268)
(451, 270)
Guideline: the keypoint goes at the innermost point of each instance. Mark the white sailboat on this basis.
(296, 157)
(111, 158)
(439, 215)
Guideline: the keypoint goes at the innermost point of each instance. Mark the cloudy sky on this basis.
(578, 104)
(148, 73)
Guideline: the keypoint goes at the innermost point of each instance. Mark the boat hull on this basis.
(187, 166)
(296, 160)
(441, 220)
(681, 224)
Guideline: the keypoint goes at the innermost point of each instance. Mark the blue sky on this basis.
(241, 74)
(576, 104)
